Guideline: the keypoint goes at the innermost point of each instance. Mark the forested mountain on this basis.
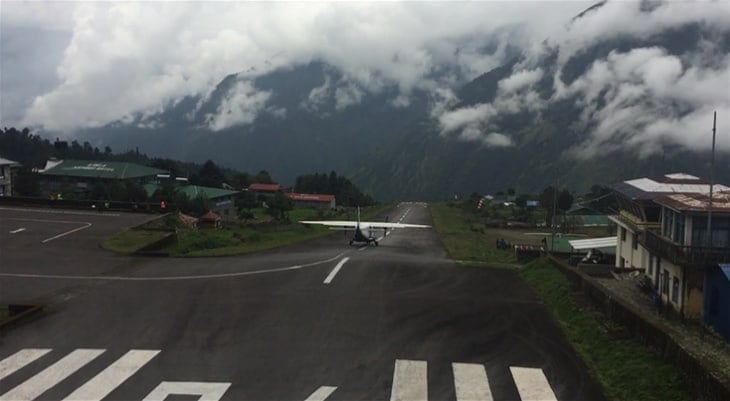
(532, 122)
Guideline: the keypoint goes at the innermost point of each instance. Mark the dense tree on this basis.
(278, 205)
(344, 191)
(211, 175)
(555, 200)
(263, 177)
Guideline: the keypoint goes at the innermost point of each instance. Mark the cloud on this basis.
(638, 100)
(519, 80)
(130, 59)
(241, 105)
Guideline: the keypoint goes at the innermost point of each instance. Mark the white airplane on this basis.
(364, 230)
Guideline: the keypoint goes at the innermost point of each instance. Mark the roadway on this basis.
(319, 320)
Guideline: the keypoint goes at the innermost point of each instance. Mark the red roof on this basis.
(311, 197)
(210, 216)
(264, 187)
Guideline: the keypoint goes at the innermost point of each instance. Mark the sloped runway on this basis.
(398, 321)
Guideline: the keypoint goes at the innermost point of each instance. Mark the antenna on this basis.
(712, 182)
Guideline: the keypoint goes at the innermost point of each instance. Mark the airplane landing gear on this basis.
(351, 242)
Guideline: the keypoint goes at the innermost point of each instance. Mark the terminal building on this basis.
(663, 230)
(79, 175)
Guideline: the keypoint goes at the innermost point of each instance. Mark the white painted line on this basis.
(334, 271)
(321, 394)
(173, 278)
(66, 233)
(532, 384)
(52, 375)
(14, 362)
(21, 229)
(50, 211)
(115, 374)
(207, 391)
(409, 381)
(471, 383)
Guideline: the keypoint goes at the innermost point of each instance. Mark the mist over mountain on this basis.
(620, 90)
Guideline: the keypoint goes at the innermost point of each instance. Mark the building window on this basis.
(622, 263)
(623, 234)
(635, 241)
(675, 289)
(665, 282)
(679, 230)
(651, 264)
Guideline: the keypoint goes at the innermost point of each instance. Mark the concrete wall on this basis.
(648, 329)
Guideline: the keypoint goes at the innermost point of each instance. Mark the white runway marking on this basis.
(470, 382)
(532, 384)
(52, 375)
(50, 211)
(207, 391)
(66, 233)
(21, 229)
(85, 224)
(172, 278)
(18, 360)
(321, 394)
(114, 375)
(410, 381)
(334, 271)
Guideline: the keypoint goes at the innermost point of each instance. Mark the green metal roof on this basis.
(102, 169)
(193, 191)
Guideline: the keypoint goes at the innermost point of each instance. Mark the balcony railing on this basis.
(683, 255)
(636, 224)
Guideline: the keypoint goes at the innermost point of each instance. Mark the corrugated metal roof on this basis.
(193, 191)
(4, 162)
(310, 197)
(264, 187)
(697, 202)
(101, 169)
(591, 243)
(648, 188)
(725, 268)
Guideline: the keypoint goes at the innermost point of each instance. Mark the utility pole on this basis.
(712, 182)
(552, 219)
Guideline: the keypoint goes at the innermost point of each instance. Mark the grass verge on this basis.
(466, 238)
(261, 234)
(132, 240)
(625, 368)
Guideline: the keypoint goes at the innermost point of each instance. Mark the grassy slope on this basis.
(235, 240)
(465, 237)
(131, 240)
(626, 369)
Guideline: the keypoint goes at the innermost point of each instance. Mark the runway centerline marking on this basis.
(174, 278)
(321, 394)
(334, 271)
(21, 229)
(409, 381)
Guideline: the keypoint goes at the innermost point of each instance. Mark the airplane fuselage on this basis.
(364, 233)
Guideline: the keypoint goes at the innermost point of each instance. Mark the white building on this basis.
(662, 227)
(6, 176)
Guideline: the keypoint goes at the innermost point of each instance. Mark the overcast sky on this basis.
(69, 65)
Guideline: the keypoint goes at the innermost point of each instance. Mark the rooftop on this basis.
(677, 183)
(697, 202)
(310, 197)
(5, 162)
(193, 191)
(264, 187)
(100, 169)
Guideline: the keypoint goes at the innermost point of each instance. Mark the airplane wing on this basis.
(371, 224)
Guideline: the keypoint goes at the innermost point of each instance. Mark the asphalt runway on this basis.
(313, 321)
